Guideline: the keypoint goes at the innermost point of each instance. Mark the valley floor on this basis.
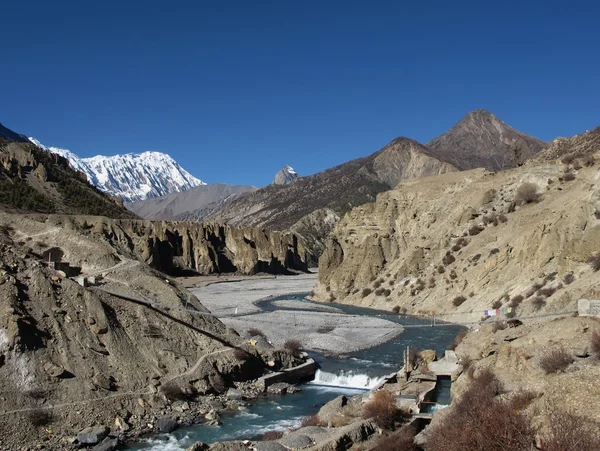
(322, 328)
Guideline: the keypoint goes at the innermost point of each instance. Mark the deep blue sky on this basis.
(234, 90)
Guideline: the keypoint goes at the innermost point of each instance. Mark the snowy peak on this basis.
(285, 176)
(132, 177)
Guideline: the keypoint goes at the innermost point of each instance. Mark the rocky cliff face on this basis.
(285, 176)
(460, 243)
(481, 140)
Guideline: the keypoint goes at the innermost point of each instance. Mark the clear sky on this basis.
(234, 90)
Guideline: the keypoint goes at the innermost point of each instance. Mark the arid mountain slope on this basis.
(433, 240)
(337, 189)
(74, 356)
(481, 140)
(194, 203)
(34, 180)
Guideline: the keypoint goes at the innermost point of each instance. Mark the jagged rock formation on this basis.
(175, 247)
(285, 176)
(193, 204)
(131, 177)
(34, 180)
(458, 242)
(481, 140)
(338, 189)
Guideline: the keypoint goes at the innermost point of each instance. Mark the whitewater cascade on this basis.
(346, 379)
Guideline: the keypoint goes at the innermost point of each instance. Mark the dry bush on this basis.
(481, 421)
(271, 436)
(547, 291)
(462, 241)
(396, 309)
(594, 261)
(476, 230)
(39, 417)
(401, 440)
(253, 332)
(453, 275)
(502, 218)
(431, 283)
(312, 420)
(387, 292)
(458, 300)
(527, 193)
(595, 343)
(538, 302)
(569, 278)
(293, 347)
(556, 360)
(497, 304)
(382, 409)
(570, 432)
(379, 291)
(448, 259)
(241, 354)
(455, 248)
(366, 292)
(568, 176)
(588, 160)
(377, 283)
(577, 165)
(494, 251)
(476, 258)
(516, 301)
(520, 400)
(568, 159)
(441, 269)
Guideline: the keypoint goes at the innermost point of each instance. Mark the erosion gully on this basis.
(348, 374)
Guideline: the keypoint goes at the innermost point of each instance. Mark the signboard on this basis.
(588, 307)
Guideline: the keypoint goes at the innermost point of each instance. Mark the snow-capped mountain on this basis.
(132, 177)
(285, 176)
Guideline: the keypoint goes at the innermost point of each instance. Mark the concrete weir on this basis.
(303, 372)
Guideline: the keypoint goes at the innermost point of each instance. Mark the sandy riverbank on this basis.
(328, 331)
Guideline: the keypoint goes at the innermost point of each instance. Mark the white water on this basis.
(346, 379)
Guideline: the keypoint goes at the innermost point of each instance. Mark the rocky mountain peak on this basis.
(285, 176)
(8, 134)
(481, 139)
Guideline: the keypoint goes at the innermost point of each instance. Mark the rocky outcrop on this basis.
(463, 242)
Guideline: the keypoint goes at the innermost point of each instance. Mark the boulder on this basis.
(92, 435)
(269, 446)
(279, 388)
(106, 445)
(166, 424)
(198, 446)
(54, 370)
(297, 441)
(233, 393)
(332, 408)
